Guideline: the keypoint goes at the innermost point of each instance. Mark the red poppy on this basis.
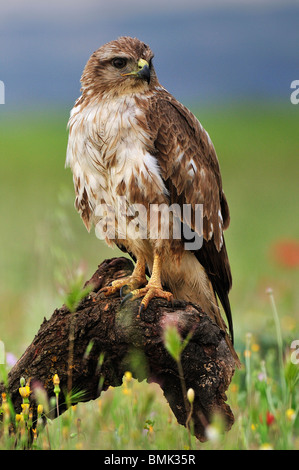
(286, 253)
(269, 418)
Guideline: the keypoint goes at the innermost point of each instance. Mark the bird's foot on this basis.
(125, 284)
(148, 293)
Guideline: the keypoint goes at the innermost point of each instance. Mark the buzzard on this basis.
(131, 140)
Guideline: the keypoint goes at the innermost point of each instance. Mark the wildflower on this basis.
(4, 406)
(30, 416)
(255, 347)
(190, 395)
(128, 376)
(290, 414)
(269, 418)
(266, 446)
(19, 417)
(25, 408)
(262, 377)
(40, 409)
(253, 427)
(56, 382)
(149, 426)
(25, 391)
(5, 410)
(247, 353)
(126, 389)
(286, 253)
(10, 359)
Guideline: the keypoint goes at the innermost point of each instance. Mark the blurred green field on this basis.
(43, 240)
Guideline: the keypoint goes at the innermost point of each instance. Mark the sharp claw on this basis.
(141, 311)
(127, 297)
(121, 290)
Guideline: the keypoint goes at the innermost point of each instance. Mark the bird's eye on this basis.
(119, 62)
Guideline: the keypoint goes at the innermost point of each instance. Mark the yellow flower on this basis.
(5, 408)
(40, 409)
(255, 347)
(247, 353)
(290, 414)
(25, 391)
(19, 417)
(56, 380)
(150, 428)
(266, 446)
(128, 376)
(25, 408)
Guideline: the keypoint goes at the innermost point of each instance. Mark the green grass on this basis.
(43, 242)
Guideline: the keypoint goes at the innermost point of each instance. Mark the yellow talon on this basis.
(135, 280)
(152, 290)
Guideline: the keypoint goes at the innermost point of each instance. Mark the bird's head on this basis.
(120, 67)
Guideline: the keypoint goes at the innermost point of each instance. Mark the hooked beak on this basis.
(142, 72)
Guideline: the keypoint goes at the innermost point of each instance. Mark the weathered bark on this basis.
(117, 335)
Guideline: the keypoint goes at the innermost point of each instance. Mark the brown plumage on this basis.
(131, 139)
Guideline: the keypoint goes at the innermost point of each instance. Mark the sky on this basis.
(57, 9)
(205, 51)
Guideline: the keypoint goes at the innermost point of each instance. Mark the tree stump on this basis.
(117, 335)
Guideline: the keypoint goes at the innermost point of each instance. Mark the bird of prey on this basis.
(129, 138)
